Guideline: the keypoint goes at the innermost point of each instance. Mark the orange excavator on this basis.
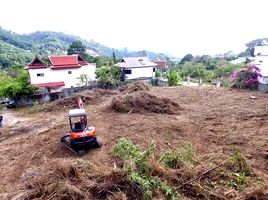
(81, 137)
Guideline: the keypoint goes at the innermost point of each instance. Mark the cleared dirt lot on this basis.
(214, 120)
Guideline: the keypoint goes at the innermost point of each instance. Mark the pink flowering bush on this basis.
(246, 77)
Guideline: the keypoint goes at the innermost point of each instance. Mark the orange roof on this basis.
(64, 61)
(36, 63)
(59, 62)
(161, 64)
(50, 84)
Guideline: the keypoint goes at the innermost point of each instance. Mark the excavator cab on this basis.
(81, 137)
(77, 120)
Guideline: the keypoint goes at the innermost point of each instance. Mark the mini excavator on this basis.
(81, 137)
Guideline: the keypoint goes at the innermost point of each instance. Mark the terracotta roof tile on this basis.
(50, 84)
(64, 60)
(161, 64)
(36, 63)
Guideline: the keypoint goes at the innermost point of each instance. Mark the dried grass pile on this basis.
(77, 179)
(142, 101)
(88, 97)
(134, 87)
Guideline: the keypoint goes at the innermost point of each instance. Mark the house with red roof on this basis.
(61, 72)
(161, 65)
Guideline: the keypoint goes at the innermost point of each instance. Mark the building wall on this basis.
(39, 79)
(262, 63)
(144, 72)
(70, 80)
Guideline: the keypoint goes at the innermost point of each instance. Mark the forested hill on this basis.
(19, 49)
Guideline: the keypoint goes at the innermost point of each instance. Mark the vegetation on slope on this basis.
(46, 43)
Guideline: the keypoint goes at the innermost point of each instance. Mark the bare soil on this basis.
(214, 120)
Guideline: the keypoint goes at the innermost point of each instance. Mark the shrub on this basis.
(174, 78)
(226, 83)
(238, 170)
(138, 168)
(226, 70)
(246, 77)
(194, 70)
(108, 76)
(16, 87)
(183, 155)
(157, 73)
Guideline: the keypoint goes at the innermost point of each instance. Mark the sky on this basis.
(175, 27)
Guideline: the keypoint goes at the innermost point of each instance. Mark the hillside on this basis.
(11, 55)
(19, 49)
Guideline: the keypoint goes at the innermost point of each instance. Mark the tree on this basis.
(186, 58)
(84, 79)
(76, 47)
(114, 58)
(227, 69)
(193, 69)
(16, 87)
(108, 76)
(99, 60)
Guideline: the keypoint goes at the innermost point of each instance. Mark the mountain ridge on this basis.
(20, 48)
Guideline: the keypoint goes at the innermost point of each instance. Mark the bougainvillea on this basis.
(246, 77)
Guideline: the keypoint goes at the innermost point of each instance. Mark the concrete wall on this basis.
(47, 97)
(262, 63)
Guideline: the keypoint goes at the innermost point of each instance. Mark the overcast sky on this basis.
(176, 27)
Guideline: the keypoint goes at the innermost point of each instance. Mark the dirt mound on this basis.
(134, 87)
(102, 92)
(143, 101)
(88, 97)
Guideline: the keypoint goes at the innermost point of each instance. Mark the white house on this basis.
(137, 68)
(261, 61)
(61, 72)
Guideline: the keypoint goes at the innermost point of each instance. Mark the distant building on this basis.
(61, 72)
(239, 60)
(161, 65)
(136, 68)
(261, 61)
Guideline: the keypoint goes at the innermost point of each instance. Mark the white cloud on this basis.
(172, 26)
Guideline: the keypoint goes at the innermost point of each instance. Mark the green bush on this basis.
(226, 70)
(108, 76)
(138, 168)
(194, 70)
(226, 83)
(173, 78)
(16, 85)
(183, 155)
(157, 73)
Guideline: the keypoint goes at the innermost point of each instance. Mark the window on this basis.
(69, 72)
(40, 74)
(154, 69)
(128, 71)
